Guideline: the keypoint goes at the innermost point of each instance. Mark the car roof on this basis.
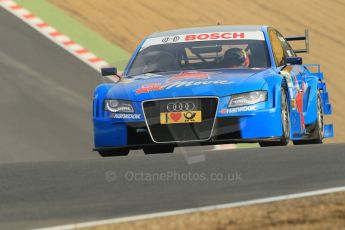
(207, 29)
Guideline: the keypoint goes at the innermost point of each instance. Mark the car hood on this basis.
(217, 83)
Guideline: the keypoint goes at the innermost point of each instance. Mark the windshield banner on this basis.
(213, 36)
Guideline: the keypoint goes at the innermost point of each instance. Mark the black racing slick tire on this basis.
(285, 119)
(114, 153)
(159, 149)
(316, 129)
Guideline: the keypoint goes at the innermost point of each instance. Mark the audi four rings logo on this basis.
(180, 106)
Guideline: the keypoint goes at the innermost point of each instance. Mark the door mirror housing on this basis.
(109, 71)
(293, 60)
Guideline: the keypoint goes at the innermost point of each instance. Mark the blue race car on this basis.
(211, 85)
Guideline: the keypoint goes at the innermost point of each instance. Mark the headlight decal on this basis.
(249, 98)
(118, 106)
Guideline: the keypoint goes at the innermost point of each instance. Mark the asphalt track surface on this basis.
(49, 175)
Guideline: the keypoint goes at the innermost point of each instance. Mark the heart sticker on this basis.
(175, 116)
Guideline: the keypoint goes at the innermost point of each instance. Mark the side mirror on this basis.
(293, 60)
(109, 71)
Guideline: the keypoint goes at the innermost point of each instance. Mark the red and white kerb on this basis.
(213, 36)
(54, 35)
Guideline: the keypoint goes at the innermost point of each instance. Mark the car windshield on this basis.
(168, 55)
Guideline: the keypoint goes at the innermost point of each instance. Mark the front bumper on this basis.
(241, 127)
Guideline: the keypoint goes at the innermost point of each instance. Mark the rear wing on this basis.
(304, 38)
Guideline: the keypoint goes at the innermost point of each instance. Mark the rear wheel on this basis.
(114, 153)
(158, 149)
(317, 129)
(285, 120)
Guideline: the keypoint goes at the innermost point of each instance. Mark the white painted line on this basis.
(88, 55)
(35, 20)
(193, 210)
(48, 30)
(76, 47)
(62, 38)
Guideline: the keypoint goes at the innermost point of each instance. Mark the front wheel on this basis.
(285, 120)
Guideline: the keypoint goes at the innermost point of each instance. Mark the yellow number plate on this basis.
(181, 117)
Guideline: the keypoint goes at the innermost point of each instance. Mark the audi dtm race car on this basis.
(211, 85)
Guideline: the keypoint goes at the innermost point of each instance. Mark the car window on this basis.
(277, 48)
(172, 55)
